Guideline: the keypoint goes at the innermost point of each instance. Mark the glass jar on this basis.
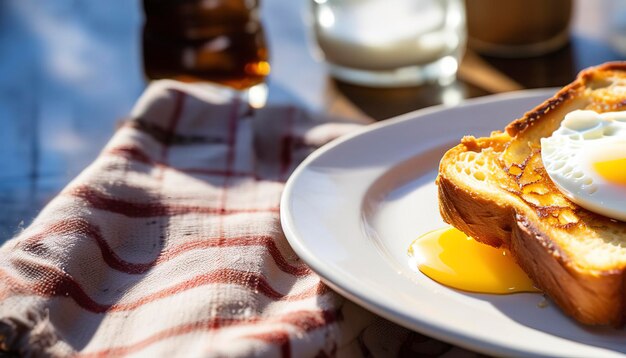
(205, 40)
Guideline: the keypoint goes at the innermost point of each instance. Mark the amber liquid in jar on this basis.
(205, 40)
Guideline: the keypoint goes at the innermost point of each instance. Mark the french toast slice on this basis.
(496, 190)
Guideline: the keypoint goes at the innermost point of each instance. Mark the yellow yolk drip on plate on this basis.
(613, 171)
(451, 258)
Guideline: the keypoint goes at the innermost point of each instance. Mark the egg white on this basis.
(584, 138)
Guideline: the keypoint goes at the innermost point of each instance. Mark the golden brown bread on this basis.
(496, 190)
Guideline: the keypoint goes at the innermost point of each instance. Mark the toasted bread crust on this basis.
(499, 209)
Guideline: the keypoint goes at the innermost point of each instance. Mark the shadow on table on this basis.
(384, 103)
(555, 69)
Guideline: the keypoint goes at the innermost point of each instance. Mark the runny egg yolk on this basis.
(614, 171)
(454, 259)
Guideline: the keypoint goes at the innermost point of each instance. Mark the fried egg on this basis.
(586, 159)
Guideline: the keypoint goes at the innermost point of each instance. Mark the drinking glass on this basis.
(388, 43)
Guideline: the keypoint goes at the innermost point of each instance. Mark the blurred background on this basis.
(70, 70)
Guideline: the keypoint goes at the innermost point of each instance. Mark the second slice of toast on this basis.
(496, 190)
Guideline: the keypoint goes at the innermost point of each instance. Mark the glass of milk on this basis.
(390, 43)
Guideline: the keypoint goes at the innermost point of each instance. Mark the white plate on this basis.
(352, 208)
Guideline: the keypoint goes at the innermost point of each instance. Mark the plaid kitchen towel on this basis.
(170, 244)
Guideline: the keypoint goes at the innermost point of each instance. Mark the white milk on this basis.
(380, 35)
